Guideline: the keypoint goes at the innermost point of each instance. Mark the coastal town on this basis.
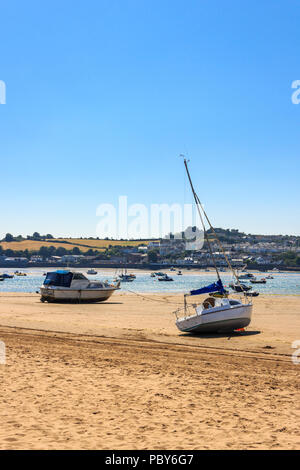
(252, 251)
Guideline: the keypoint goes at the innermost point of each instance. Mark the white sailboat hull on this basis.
(217, 320)
(52, 294)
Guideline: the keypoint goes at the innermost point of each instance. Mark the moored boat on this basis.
(218, 313)
(246, 276)
(124, 277)
(215, 315)
(92, 271)
(165, 278)
(72, 286)
(239, 287)
(258, 281)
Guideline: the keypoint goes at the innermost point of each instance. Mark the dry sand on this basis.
(119, 375)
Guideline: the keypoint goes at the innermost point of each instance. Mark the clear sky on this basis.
(103, 95)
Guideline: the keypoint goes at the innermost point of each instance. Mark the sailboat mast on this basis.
(198, 205)
(198, 202)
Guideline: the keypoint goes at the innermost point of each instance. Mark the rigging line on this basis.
(218, 241)
(220, 245)
(199, 205)
(150, 299)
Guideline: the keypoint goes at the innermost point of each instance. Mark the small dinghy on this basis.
(246, 276)
(92, 271)
(258, 281)
(71, 286)
(217, 313)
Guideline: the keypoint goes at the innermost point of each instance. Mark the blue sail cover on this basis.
(214, 287)
(59, 278)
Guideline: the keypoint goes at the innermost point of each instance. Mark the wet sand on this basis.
(119, 375)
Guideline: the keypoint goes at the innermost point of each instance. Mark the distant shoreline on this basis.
(143, 267)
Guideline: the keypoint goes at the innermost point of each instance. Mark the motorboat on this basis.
(92, 271)
(217, 313)
(126, 278)
(165, 278)
(239, 287)
(179, 273)
(72, 286)
(246, 276)
(20, 274)
(7, 276)
(258, 281)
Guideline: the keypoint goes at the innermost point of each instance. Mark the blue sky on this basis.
(102, 97)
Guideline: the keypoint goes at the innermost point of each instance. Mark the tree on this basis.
(9, 237)
(152, 256)
(36, 236)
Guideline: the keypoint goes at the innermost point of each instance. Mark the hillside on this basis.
(68, 243)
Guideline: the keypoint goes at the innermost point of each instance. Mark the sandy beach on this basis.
(119, 375)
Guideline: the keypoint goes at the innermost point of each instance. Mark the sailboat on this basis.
(217, 313)
(124, 277)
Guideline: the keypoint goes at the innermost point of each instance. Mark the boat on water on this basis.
(246, 276)
(20, 274)
(258, 281)
(152, 275)
(73, 286)
(92, 271)
(269, 277)
(6, 276)
(240, 287)
(217, 313)
(179, 273)
(165, 278)
(124, 277)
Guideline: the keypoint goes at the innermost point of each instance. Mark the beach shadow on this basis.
(234, 334)
(79, 303)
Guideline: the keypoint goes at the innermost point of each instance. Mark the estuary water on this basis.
(282, 283)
